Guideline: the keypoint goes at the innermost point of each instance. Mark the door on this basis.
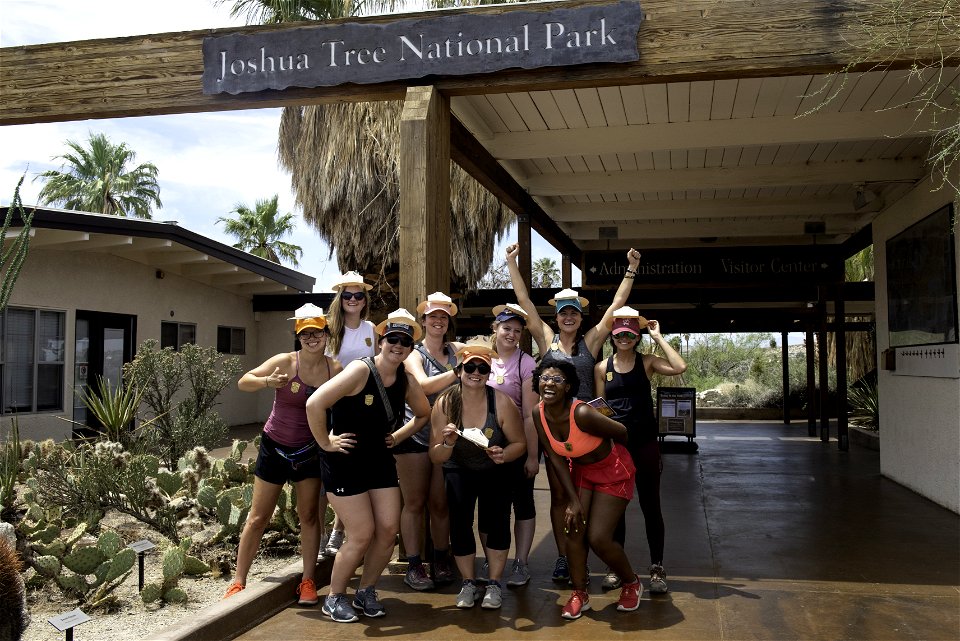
(104, 342)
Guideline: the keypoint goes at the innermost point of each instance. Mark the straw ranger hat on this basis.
(400, 321)
(508, 311)
(435, 301)
(308, 316)
(566, 298)
(626, 319)
(476, 349)
(350, 278)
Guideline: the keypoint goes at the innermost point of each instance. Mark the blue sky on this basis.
(207, 163)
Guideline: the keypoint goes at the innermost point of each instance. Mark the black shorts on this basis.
(410, 446)
(274, 464)
(521, 490)
(353, 473)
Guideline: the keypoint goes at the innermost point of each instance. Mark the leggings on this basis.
(489, 491)
(647, 460)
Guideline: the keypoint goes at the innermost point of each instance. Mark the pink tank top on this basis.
(287, 423)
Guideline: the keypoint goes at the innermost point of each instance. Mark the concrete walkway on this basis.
(770, 535)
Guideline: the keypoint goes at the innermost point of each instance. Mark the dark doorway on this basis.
(104, 342)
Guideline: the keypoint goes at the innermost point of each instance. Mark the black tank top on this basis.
(466, 454)
(630, 397)
(364, 414)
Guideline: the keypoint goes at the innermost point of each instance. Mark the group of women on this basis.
(396, 421)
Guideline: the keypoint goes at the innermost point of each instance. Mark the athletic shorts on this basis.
(274, 464)
(410, 446)
(613, 475)
(521, 490)
(352, 474)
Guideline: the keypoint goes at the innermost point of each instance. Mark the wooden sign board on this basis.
(446, 45)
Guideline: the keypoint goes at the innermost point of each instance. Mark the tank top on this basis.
(357, 343)
(583, 362)
(508, 376)
(630, 397)
(430, 369)
(287, 423)
(364, 415)
(578, 442)
(466, 454)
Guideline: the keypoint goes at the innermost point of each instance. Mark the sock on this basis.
(414, 560)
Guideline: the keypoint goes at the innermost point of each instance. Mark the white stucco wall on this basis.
(67, 281)
(919, 416)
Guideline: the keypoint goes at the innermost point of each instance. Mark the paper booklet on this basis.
(475, 435)
(601, 406)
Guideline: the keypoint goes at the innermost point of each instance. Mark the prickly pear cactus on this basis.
(48, 566)
(175, 595)
(73, 584)
(151, 592)
(120, 565)
(109, 543)
(193, 566)
(207, 496)
(172, 564)
(169, 482)
(84, 560)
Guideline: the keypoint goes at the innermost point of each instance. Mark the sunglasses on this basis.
(556, 380)
(353, 295)
(309, 335)
(402, 339)
(472, 367)
(630, 336)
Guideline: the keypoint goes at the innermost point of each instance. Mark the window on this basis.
(31, 360)
(231, 340)
(176, 335)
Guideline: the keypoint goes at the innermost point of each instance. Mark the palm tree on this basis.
(545, 273)
(343, 161)
(101, 178)
(259, 231)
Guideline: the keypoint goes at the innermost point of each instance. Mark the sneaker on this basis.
(610, 581)
(234, 589)
(417, 578)
(367, 602)
(468, 594)
(308, 593)
(337, 607)
(484, 573)
(578, 604)
(333, 543)
(658, 579)
(442, 572)
(630, 596)
(520, 575)
(561, 571)
(493, 597)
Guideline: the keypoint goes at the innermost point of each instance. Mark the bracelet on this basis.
(630, 276)
(630, 271)
(266, 382)
(444, 443)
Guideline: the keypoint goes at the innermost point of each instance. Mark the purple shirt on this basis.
(509, 375)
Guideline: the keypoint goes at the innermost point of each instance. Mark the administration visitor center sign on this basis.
(455, 44)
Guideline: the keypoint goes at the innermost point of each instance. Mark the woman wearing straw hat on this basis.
(512, 373)
(586, 449)
(624, 381)
(359, 470)
(475, 430)
(569, 343)
(421, 481)
(352, 336)
(288, 451)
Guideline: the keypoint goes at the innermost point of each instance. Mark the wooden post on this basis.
(822, 364)
(811, 385)
(424, 195)
(840, 335)
(566, 272)
(785, 357)
(525, 263)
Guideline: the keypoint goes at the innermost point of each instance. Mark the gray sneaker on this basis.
(367, 602)
(333, 543)
(610, 581)
(493, 597)
(417, 578)
(468, 595)
(519, 575)
(484, 573)
(658, 579)
(337, 607)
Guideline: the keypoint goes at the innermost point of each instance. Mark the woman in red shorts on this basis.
(586, 450)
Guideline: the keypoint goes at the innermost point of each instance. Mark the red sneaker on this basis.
(578, 604)
(234, 588)
(308, 593)
(630, 596)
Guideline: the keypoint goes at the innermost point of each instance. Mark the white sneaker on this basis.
(468, 595)
(658, 579)
(493, 597)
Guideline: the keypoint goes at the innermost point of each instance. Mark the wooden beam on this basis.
(693, 40)
(652, 180)
(706, 228)
(712, 208)
(707, 134)
(466, 151)
(424, 195)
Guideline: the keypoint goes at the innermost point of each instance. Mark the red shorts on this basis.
(613, 475)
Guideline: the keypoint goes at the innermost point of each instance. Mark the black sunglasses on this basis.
(353, 295)
(471, 367)
(403, 339)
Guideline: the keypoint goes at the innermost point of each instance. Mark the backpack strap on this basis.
(368, 361)
(423, 351)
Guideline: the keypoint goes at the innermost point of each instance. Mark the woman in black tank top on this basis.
(623, 380)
